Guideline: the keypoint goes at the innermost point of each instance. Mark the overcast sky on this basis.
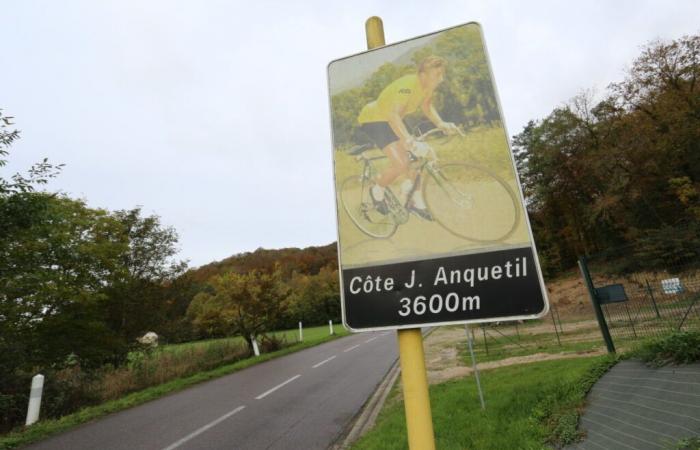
(214, 114)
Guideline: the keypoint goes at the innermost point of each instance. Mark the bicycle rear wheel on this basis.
(357, 203)
(472, 202)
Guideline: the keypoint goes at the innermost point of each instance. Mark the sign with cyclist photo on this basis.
(431, 220)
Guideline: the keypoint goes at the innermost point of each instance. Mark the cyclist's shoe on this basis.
(379, 205)
(423, 213)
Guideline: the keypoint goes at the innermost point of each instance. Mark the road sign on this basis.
(431, 220)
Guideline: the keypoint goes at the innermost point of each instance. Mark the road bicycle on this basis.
(468, 200)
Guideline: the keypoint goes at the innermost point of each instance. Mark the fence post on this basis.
(629, 316)
(561, 328)
(35, 399)
(551, 311)
(330, 326)
(486, 344)
(653, 300)
(301, 333)
(583, 265)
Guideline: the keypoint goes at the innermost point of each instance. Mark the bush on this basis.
(692, 443)
(680, 347)
(271, 343)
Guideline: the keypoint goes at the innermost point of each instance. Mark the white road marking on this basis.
(266, 393)
(203, 429)
(371, 339)
(323, 362)
(351, 348)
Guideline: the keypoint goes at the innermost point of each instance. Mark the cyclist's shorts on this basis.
(380, 133)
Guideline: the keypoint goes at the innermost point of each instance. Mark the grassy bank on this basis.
(154, 364)
(527, 406)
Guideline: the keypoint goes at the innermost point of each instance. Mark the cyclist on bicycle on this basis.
(382, 121)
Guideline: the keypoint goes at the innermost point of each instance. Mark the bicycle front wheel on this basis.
(357, 203)
(472, 202)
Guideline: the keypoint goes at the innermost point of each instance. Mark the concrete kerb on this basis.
(365, 419)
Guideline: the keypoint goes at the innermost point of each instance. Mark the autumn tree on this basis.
(621, 170)
(315, 299)
(245, 305)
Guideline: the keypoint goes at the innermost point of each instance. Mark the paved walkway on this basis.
(638, 407)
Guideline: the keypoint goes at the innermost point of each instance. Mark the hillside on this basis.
(306, 261)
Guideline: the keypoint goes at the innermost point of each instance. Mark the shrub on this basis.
(680, 347)
(271, 343)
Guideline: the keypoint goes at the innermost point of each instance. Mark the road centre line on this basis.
(351, 348)
(201, 430)
(323, 362)
(371, 339)
(266, 393)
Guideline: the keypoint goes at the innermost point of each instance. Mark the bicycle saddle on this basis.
(356, 150)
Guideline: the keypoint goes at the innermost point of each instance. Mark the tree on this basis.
(245, 305)
(39, 173)
(314, 299)
(137, 288)
(621, 170)
(54, 260)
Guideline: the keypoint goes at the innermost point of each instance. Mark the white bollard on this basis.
(256, 350)
(35, 399)
(330, 326)
(301, 334)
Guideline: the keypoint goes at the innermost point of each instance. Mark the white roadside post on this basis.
(35, 399)
(330, 326)
(256, 350)
(301, 333)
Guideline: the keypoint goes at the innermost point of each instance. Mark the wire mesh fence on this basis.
(549, 334)
(645, 291)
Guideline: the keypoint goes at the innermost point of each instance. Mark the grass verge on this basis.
(46, 428)
(527, 406)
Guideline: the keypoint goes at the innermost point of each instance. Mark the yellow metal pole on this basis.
(414, 377)
(374, 28)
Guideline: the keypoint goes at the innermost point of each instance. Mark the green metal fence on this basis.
(640, 291)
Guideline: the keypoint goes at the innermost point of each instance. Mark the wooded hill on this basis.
(307, 261)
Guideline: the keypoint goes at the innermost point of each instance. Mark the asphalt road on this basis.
(299, 401)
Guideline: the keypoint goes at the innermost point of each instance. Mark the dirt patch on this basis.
(569, 297)
(443, 361)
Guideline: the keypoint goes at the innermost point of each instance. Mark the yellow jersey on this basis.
(405, 94)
